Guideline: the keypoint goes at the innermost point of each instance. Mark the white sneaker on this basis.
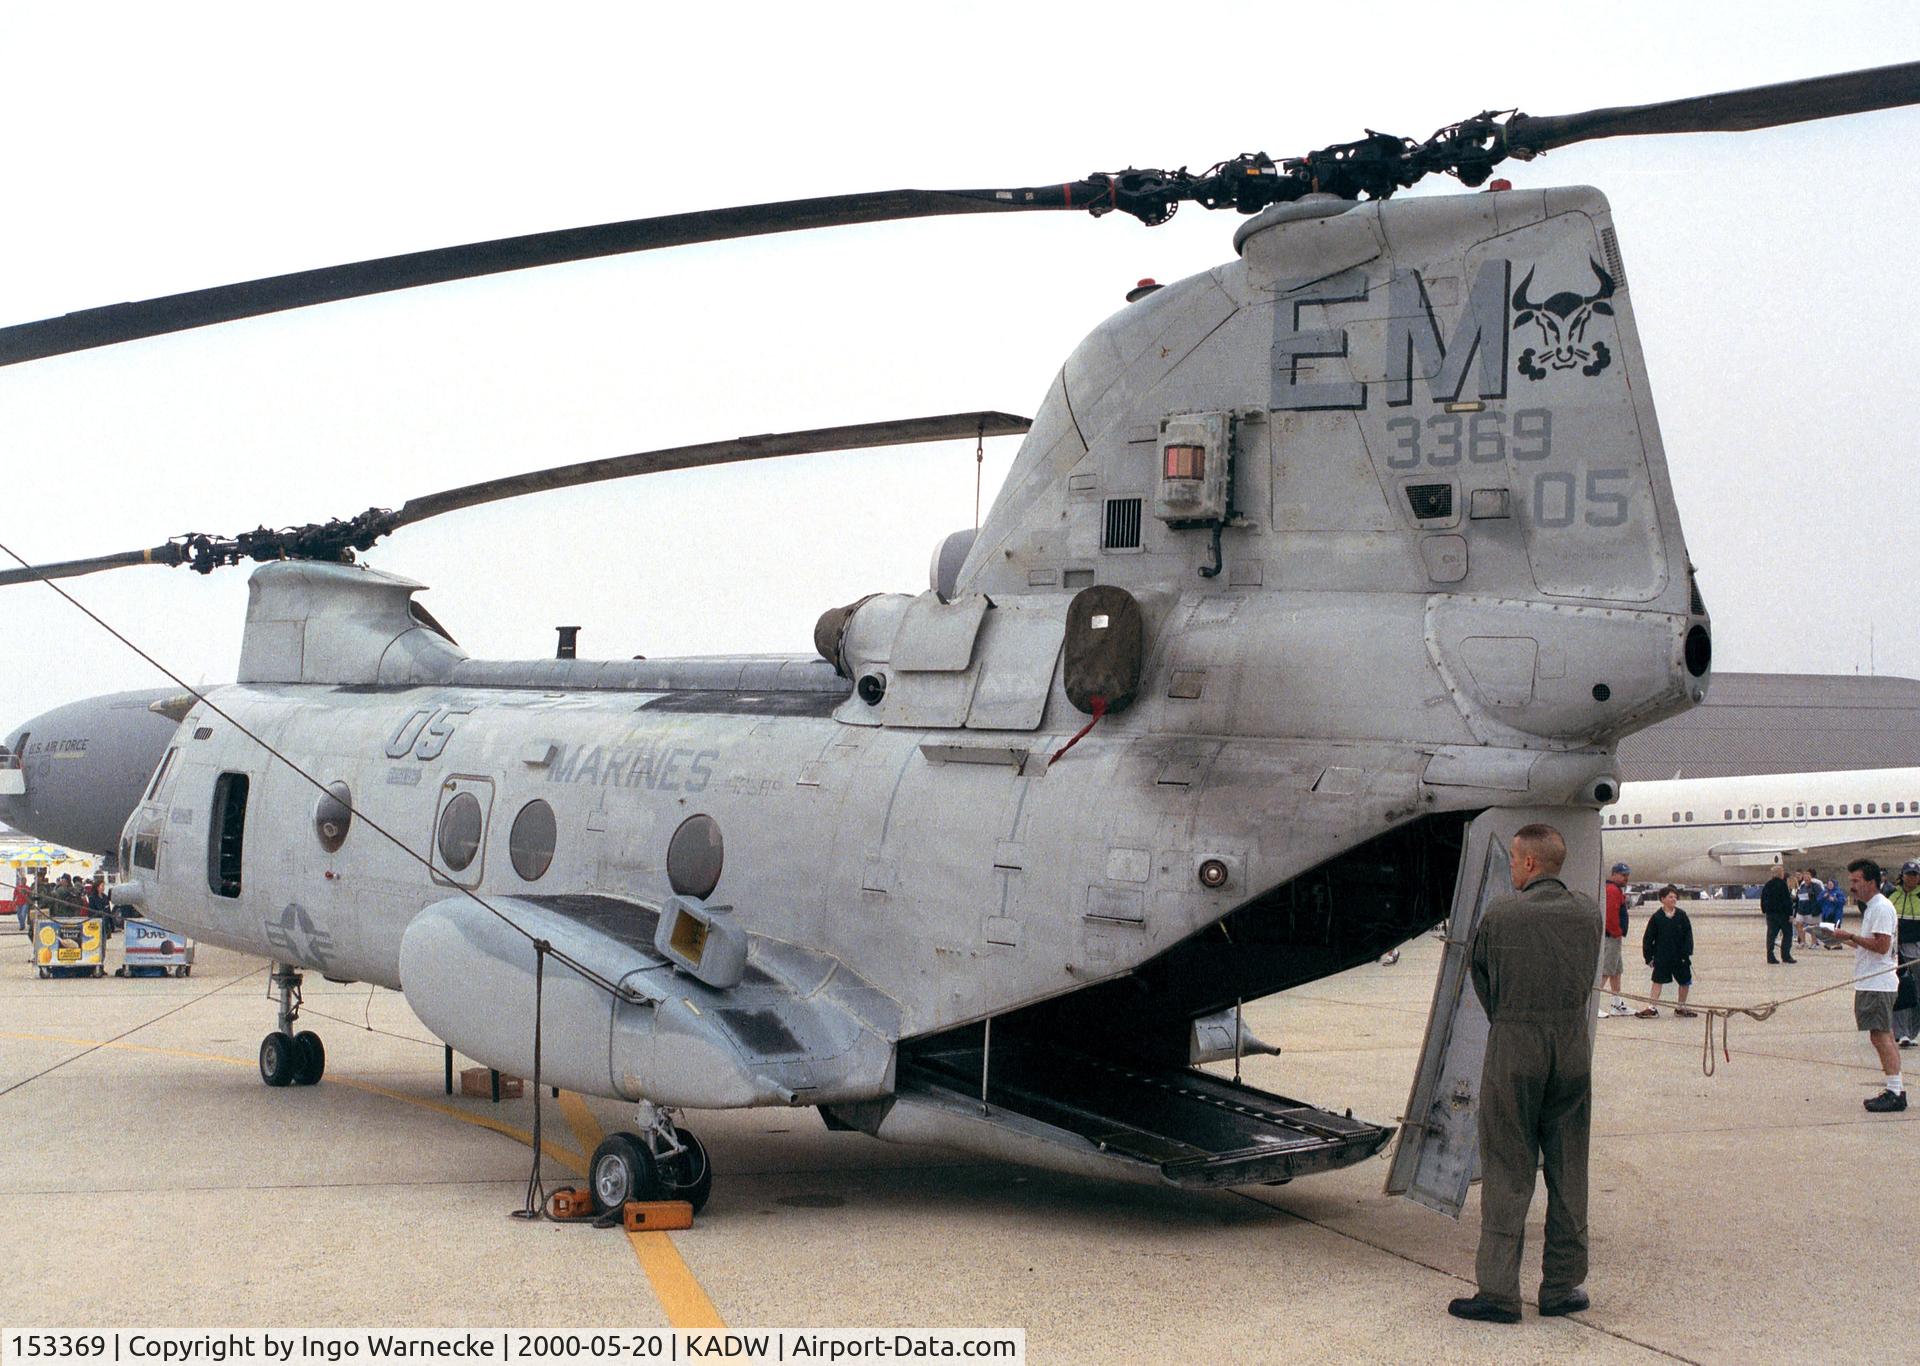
(1604, 1012)
(1622, 1008)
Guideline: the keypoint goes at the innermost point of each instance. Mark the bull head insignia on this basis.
(1562, 319)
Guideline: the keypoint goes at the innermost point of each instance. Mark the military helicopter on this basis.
(1318, 574)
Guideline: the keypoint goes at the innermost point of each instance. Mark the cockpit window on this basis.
(160, 773)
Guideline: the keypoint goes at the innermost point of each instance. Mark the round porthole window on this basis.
(460, 832)
(333, 817)
(694, 856)
(531, 842)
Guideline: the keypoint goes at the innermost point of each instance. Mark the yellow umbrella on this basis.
(39, 856)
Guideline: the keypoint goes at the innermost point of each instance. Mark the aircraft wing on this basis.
(1889, 851)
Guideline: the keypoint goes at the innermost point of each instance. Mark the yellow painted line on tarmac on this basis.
(686, 1304)
(674, 1283)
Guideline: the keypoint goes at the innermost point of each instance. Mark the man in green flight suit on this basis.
(1533, 963)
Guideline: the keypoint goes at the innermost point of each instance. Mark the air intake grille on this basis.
(1430, 501)
(1610, 248)
(1123, 524)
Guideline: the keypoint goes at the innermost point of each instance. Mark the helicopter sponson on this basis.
(1309, 581)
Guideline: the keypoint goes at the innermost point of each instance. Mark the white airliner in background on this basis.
(1714, 831)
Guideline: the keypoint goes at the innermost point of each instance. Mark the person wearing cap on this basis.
(1874, 981)
(1906, 910)
(1616, 930)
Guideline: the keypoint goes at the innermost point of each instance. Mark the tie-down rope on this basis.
(1761, 1011)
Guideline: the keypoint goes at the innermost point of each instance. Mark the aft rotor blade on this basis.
(860, 436)
(228, 303)
(1733, 111)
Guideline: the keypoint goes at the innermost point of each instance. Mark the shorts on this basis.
(1805, 920)
(1873, 1010)
(1610, 956)
(1681, 972)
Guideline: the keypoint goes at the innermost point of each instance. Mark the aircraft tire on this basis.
(277, 1055)
(688, 1176)
(309, 1058)
(621, 1170)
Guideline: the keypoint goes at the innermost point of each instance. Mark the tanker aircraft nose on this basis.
(74, 774)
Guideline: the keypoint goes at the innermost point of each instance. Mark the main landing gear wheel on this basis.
(621, 1170)
(279, 1056)
(309, 1058)
(687, 1175)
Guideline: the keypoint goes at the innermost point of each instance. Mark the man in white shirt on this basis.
(1875, 984)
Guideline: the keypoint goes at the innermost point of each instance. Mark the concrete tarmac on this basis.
(151, 1180)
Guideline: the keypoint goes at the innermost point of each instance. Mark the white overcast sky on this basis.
(154, 149)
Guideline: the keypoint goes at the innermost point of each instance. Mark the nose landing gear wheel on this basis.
(621, 1170)
(278, 1054)
(687, 1175)
(309, 1058)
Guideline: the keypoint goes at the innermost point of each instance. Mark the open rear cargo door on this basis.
(1438, 1155)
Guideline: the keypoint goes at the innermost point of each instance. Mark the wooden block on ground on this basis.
(478, 1083)
(654, 1215)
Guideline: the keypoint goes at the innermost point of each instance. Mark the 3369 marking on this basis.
(1485, 438)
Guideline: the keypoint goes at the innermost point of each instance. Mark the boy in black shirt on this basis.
(1667, 946)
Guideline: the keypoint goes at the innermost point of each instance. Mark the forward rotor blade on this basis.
(227, 303)
(860, 436)
(1734, 111)
(336, 540)
(73, 569)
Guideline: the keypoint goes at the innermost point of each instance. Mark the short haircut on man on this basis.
(1669, 888)
(1867, 869)
(1547, 845)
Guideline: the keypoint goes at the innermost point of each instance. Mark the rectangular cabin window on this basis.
(1769, 813)
(227, 834)
(1829, 810)
(1899, 806)
(1743, 814)
(1636, 820)
(1689, 815)
(1856, 808)
(1800, 810)
(146, 848)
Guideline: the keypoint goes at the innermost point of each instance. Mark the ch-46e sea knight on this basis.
(1317, 575)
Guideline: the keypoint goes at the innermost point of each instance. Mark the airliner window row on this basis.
(1798, 812)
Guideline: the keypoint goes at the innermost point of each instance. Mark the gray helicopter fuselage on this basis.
(1388, 496)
